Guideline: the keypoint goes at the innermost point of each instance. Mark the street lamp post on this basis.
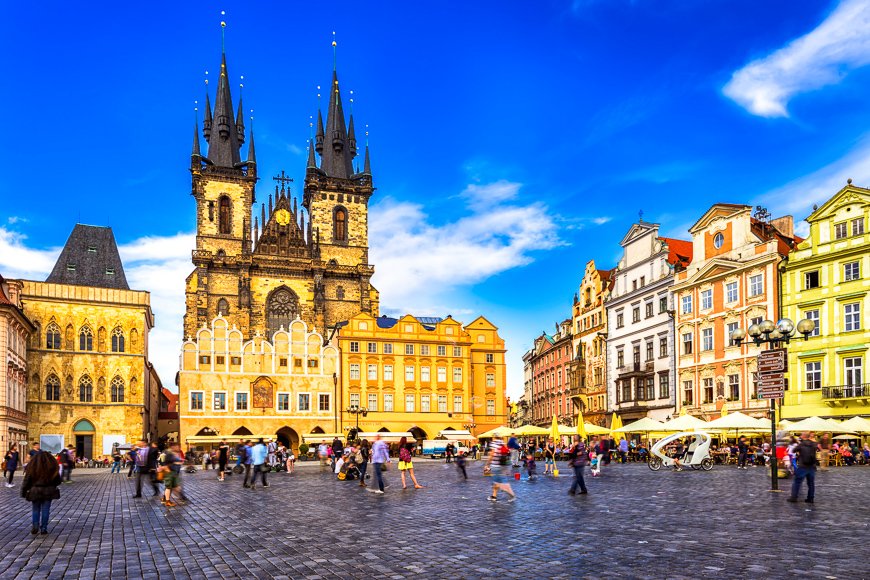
(775, 335)
(357, 410)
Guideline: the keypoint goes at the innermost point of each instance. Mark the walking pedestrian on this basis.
(68, 456)
(146, 465)
(380, 458)
(406, 463)
(337, 449)
(131, 458)
(549, 457)
(363, 455)
(40, 488)
(259, 454)
(116, 461)
(825, 451)
(291, 461)
(514, 447)
(30, 454)
(222, 457)
(742, 452)
(461, 461)
(11, 461)
(448, 452)
(245, 457)
(322, 454)
(271, 448)
(577, 456)
(172, 462)
(623, 450)
(496, 465)
(805, 468)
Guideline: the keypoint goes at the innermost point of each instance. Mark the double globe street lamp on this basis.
(775, 335)
(356, 410)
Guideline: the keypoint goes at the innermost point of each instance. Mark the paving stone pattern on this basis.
(634, 523)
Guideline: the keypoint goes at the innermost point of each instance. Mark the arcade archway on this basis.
(289, 438)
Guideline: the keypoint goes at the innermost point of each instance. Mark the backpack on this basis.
(142, 457)
(503, 453)
(807, 454)
(358, 457)
(404, 455)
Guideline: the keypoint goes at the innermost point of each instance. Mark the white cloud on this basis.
(14, 219)
(599, 221)
(819, 58)
(797, 197)
(19, 261)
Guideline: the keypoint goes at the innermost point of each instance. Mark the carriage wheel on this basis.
(707, 464)
(655, 463)
(695, 467)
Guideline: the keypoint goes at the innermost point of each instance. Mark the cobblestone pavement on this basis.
(634, 523)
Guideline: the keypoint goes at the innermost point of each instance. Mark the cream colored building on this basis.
(231, 387)
(91, 384)
(422, 375)
(15, 330)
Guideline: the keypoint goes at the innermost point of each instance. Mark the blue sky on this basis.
(511, 141)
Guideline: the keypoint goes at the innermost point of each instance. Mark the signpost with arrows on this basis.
(772, 365)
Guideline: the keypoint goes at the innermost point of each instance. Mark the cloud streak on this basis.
(822, 57)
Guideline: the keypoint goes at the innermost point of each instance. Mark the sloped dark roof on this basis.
(3, 298)
(90, 258)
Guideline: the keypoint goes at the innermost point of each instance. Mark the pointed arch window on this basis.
(86, 389)
(281, 309)
(86, 338)
(117, 390)
(117, 340)
(339, 218)
(52, 337)
(52, 388)
(224, 216)
(223, 308)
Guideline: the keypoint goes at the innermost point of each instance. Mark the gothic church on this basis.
(260, 270)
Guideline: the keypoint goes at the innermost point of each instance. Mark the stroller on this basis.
(595, 464)
(348, 471)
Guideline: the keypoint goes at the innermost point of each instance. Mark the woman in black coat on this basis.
(11, 460)
(41, 481)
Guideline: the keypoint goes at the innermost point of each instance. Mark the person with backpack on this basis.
(805, 468)
(10, 462)
(68, 458)
(131, 457)
(380, 457)
(406, 462)
(259, 455)
(514, 447)
(497, 459)
(146, 464)
(362, 461)
(577, 456)
(41, 481)
(246, 458)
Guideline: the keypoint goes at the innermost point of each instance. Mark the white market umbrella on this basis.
(856, 425)
(685, 423)
(816, 424)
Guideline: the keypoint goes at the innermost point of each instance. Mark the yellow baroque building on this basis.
(232, 388)
(90, 383)
(422, 375)
(827, 279)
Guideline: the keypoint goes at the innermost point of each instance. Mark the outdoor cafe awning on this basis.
(456, 435)
(318, 437)
(386, 435)
(230, 439)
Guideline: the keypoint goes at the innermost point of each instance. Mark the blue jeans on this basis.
(363, 467)
(116, 467)
(379, 475)
(41, 508)
(801, 473)
(578, 479)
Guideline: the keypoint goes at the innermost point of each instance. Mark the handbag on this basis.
(161, 472)
(238, 469)
(265, 468)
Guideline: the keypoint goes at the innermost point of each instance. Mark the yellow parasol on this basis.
(581, 426)
(530, 430)
(554, 430)
(615, 424)
(595, 429)
(724, 411)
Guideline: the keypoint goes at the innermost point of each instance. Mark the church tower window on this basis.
(117, 340)
(223, 307)
(339, 293)
(281, 309)
(86, 389)
(52, 337)
(86, 338)
(340, 224)
(224, 216)
(52, 388)
(117, 390)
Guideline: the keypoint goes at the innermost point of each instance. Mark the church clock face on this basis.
(282, 216)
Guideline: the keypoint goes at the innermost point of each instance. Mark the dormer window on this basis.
(92, 249)
(71, 267)
(110, 271)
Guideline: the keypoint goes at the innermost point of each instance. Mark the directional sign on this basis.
(774, 380)
(771, 394)
(771, 361)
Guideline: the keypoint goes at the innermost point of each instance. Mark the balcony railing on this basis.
(860, 391)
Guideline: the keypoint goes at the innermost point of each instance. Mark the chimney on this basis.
(785, 225)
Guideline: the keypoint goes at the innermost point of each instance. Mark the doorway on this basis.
(289, 438)
(85, 446)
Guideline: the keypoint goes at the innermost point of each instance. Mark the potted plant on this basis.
(303, 452)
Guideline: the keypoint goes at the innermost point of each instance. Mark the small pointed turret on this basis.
(252, 155)
(195, 152)
(336, 158)
(206, 122)
(270, 205)
(223, 144)
(319, 135)
(240, 123)
(312, 162)
(263, 215)
(256, 230)
(351, 138)
(367, 167)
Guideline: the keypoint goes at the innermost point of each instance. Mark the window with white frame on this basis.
(706, 339)
(687, 343)
(373, 402)
(756, 285)
(424, 350)
(323, 400)
(813, 371)
(241, 401)
(442, 403)
(457, 374)
(442, 374)
(706, 299)
(220, 401)
(303, 402)
(196, 398)
(852, 314)
(734, 387)
(731, 293)
(457, 403)
(814, 316)
(840, 231)
(409, 349)
(853, 367)
(372, 372)
(663, 346)
(708, 390)
(490, 407)
(857, 226)
(354, 346)
(409, 372)
(686, 304)
(688, 393)
(354, 371)
(851, 271)
(664, 386)
(457, 351)
(388, 402)
(442, 350)
(490, 379)
(372, 348)
(424, 374)
(424, 403)
(354, 399)
(388, 372)
(388, 348)
(283, 401)
(729, 330)
(490, 358)
(409, 403)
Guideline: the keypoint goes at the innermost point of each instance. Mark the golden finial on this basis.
(206, 78)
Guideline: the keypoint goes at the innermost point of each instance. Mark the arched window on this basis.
(339, 293)
(281, 308)
(117, 390)
(86, 389)
(86, 338)
(339, 218)
(224, 216)
(52, 337)
(117, 340)
(52, 388)
(223, 307)
(134, 340)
